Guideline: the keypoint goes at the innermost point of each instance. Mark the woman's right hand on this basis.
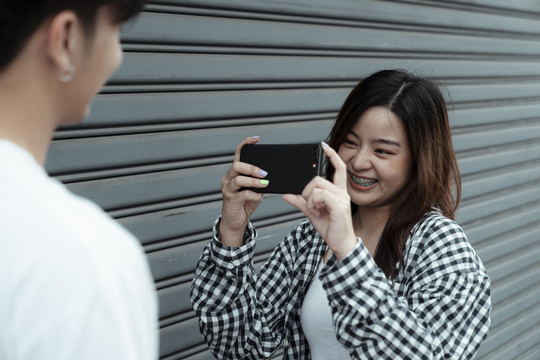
(238, 205)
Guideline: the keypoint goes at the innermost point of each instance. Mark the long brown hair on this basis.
(435, 181)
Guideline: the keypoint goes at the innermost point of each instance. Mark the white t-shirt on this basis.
(73, 283)
(317, 325)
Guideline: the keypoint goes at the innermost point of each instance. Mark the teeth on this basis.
(363, 181)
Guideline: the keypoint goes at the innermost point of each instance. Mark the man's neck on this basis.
(25, 118)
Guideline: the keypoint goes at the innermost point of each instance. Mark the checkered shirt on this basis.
(438, 307)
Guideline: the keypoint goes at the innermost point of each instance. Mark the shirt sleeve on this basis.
(242, 314)
(441, 313)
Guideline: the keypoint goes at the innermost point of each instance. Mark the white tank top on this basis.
(316, 320)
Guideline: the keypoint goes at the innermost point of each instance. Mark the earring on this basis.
(68, 76)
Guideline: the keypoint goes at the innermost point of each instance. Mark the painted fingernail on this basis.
(263, 173)
(255, 137)
(315, 216)
(264, 182)
(325, 144)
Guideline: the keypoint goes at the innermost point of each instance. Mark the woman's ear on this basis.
(63, 43)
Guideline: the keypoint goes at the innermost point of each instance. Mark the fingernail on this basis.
(325, 144)
(264, 182)
(255, 137)
(263, 173)
(315, 216)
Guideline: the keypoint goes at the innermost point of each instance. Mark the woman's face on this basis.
(99, 56)
(376, 152)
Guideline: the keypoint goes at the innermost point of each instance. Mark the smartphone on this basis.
(290, 166)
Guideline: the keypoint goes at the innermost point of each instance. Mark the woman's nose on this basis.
(361, 160)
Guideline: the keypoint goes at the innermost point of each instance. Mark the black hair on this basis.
(19, 19)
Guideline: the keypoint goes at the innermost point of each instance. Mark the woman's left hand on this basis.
(328, 207)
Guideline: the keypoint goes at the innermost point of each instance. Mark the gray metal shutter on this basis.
(201, 75)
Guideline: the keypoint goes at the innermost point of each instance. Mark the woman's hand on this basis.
(238, 205)
(328, 207)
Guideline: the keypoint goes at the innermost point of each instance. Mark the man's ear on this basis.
(62, 41)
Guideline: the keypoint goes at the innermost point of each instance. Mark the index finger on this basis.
(249, 140)
(340, 174)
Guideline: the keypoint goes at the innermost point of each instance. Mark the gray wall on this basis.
(200, 75)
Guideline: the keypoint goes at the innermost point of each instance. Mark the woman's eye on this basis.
(349, 142)
(382, 151)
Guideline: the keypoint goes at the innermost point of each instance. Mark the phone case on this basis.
(290, 166)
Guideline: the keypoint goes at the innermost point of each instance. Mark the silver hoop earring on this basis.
(68, 76)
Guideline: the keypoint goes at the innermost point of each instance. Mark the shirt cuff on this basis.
(357, 267)
(233, 257)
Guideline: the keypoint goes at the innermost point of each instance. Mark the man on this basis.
(73, 283)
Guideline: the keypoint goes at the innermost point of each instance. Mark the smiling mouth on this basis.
(363, 181)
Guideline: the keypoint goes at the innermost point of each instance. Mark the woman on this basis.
(379, 270)
(75, 284)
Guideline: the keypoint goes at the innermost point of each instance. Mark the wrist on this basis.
(345, 249)
(232, 237)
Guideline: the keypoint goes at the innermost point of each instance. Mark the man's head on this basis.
(19, 19)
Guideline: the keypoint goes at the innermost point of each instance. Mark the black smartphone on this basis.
(290, 166)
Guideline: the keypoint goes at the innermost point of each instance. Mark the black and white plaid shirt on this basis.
(438, 307)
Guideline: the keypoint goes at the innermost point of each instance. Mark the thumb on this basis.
(301, 204)
(297, 201)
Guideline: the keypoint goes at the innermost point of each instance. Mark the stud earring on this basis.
(67, 76)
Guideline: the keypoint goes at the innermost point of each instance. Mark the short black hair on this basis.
(19, 19)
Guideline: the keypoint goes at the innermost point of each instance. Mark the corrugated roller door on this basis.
(199, 76)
